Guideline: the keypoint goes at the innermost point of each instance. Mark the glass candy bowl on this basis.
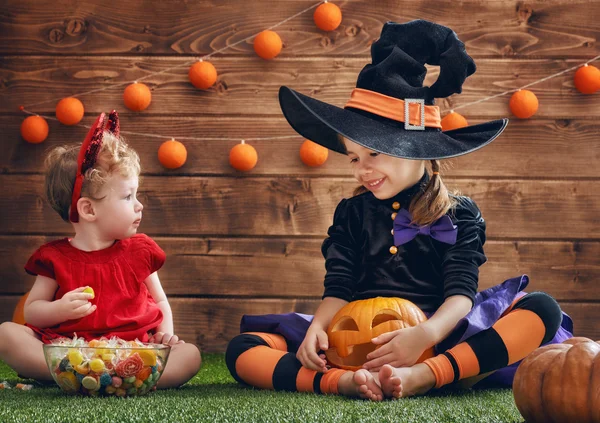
(102, 369)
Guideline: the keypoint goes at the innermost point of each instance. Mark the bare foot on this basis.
(405, 382)
(361, 384)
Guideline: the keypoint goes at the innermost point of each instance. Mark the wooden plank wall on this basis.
(249, 243)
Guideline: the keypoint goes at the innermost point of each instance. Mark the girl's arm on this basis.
(327, 309)
(439, 326)
(43, 311)
(156, 290)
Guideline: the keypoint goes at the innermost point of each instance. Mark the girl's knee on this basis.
(546, 308)
(189, 355)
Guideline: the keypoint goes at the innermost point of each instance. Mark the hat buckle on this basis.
(407, 124)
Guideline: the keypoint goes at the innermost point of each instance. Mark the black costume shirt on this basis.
(424, 270)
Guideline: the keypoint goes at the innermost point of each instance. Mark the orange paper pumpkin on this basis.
(202, 75)
(243, 157)
(587, 79)
(523, 104)
(172, 154)
(313, 154)
(19, 315)
(69, 111)
(560, 383)
(354, 325)
(452, 121)
(34, 129)
(137, 97)
(267, 44)
(327, 17)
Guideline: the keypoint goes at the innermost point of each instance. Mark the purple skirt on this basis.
(487, 309)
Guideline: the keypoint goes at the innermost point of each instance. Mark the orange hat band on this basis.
(396, 109)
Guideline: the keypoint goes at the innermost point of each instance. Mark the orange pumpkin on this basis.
(452, 121)
(34, 129)
(560, 383)
(354, 325)
(203, 75)
(19, 315)
(313, 154)
(523, 104)
(137, 97)
(268, 44)
(587, 79)
(327, 17)
(243, 157)
(69, 111)
(172, 154)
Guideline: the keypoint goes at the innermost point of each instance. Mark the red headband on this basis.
(89, 153)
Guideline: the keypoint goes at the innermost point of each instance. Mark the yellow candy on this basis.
(90, 383)
(89, 290)
(108, 357)
(94, 343)
(97, 365)
(82, 369)
(67, 381)
(110, 389)
(75, 357)
(148, 357)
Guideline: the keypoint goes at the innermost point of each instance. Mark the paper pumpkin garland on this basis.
(523, 104)
(327, 16)
(137, 97)
(34, 129)
(69, 111)
(268, 44)
(172, 154)
(313, 154)
(202, 75)
(243, 157)
(587, 79)
(453, 120)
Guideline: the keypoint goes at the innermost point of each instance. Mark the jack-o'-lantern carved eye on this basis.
(385, 316)
(345, 323)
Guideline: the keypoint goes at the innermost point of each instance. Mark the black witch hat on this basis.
(390, 111)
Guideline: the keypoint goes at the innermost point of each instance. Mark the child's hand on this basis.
(315, 340)
(165, 338)
(75, 304)
(399, 348)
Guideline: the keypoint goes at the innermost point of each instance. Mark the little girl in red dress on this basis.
(94, 187)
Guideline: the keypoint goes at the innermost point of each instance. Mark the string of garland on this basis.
(267, 44)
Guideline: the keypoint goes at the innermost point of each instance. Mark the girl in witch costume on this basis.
(93, 186)
(428, 252)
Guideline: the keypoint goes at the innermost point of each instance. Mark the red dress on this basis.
(125, 308)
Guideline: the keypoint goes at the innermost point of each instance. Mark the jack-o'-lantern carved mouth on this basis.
(358, 343)
(356, 354)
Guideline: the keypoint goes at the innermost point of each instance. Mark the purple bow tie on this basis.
(442, 229)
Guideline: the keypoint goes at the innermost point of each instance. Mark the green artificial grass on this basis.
(212, 395)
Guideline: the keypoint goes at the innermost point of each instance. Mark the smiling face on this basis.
(119, 212)
(383, 175)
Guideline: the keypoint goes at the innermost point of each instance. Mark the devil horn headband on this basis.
(88, 154)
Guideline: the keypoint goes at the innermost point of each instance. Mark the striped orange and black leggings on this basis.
(262, 360)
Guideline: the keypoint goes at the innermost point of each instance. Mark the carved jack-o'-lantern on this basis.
(352, 328)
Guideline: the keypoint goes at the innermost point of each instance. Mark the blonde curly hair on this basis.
(114, 157)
